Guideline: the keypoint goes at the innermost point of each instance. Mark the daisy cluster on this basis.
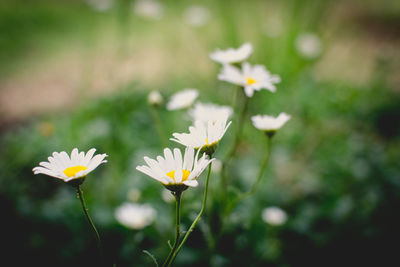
(210, 121)
(251, 78)
(175, 170)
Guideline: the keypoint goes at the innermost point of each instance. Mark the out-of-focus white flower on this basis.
(210, 112)
(217, 166)
(308, 45)
(148, 9)
(167, 196)
(61, 166)
(134, 195)
(100, 5)
(135, 216)
(268, 123)
(182, 99)
(204, 136)
(274, 216)
(232, 55)
(173, 172)
(155, 98)
(196, 16)
(252, 78)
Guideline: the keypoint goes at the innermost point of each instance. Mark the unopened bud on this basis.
(155, 98)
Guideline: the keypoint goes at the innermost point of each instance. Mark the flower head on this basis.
(252, 78)
(175, 173)
(270, 124)
(135, 216)
(210, 112)
(203, 136)
(76, 167)
(232, 55)
(154, 98)
(274, 216)
(182, 99)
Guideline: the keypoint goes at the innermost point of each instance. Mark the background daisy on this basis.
(135, 216)
(270, 123)
(232, 55)
(210, 112)
(182, 99)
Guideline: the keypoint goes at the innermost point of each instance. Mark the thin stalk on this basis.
(231, 153)
(158, 125)
(197, 218)
(261, 171)
(178, 230)
(239, 129)
(80, 196)
(256, 184)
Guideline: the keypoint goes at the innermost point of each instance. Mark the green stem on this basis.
(256, 184)
(80, 196)
(239, 129)
(231, 153)
(261, 171)
(197, 218)
(158, 125)
(178, 230)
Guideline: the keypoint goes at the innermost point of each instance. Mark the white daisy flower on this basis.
(274, 216)
(173, 172)
(182, 99)
(150, 9)
(232, 55)
(67, 168)
(203, 136)
(135, 216)
(308, 45)
(270, 124)
(252, 78)
(155, 98)
(210, 112)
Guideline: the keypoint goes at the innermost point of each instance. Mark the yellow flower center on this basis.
(250, 81)
(71, 171)
(207, 142)
(185, 175)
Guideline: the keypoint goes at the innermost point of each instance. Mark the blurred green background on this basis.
(77, 74)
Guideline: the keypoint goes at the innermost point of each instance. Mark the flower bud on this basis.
(155, 98)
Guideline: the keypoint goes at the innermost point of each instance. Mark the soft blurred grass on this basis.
(334, 167)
